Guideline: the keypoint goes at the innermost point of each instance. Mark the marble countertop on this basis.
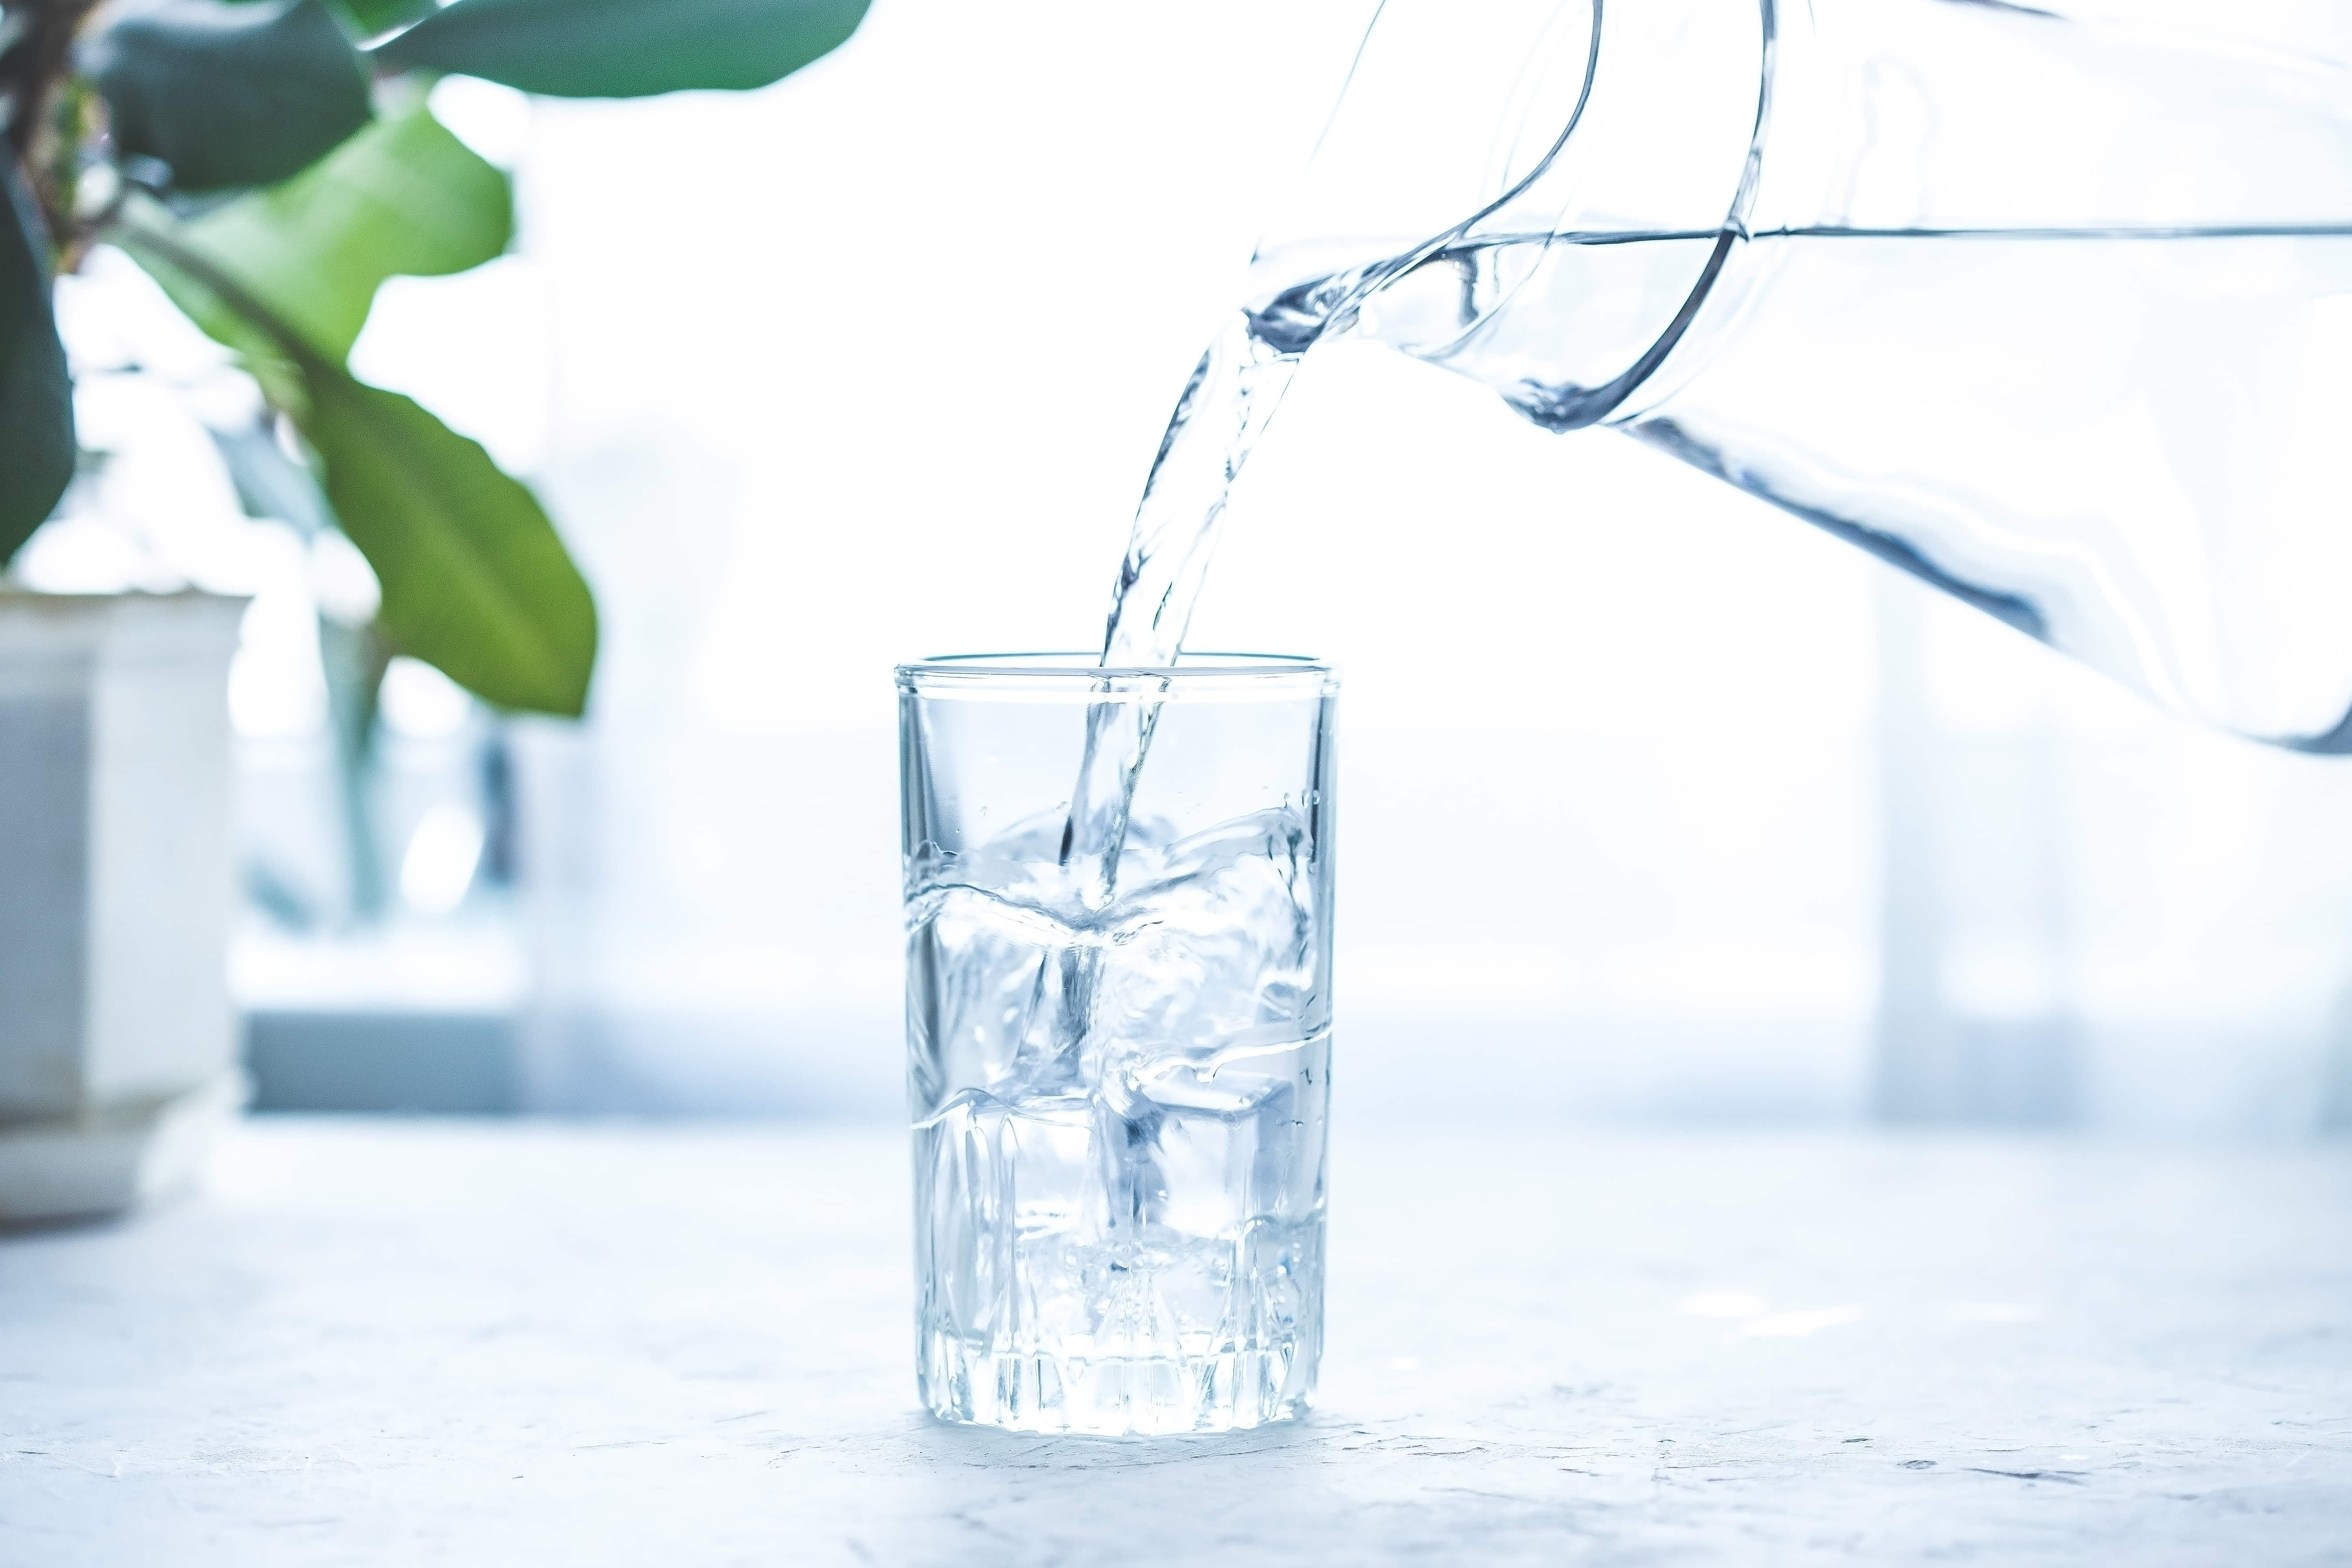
(421, 1342)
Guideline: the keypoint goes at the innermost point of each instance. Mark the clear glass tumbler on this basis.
(1119, 1061)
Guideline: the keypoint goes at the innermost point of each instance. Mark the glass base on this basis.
(1111, 1397)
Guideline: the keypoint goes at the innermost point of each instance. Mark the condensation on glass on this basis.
(1119, 1074)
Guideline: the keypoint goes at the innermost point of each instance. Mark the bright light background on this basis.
(869, 366)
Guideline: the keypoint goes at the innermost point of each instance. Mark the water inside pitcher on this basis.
(2049, 306)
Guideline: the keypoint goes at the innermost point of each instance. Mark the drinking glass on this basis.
(1119, 1060)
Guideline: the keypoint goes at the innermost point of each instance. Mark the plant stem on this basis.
(30, 76)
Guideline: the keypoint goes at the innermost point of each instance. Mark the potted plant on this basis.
(269, 164)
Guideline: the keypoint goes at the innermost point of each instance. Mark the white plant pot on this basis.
(118, 1043)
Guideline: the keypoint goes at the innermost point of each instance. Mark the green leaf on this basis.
(36, 432)
(230, 94)
(624, 48)
(475, 580)
(403, 196)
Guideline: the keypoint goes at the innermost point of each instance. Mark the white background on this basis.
(869, 366)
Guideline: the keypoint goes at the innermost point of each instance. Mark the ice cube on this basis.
(1005, 1192)
(1203, 1173)
(998, 995)
(1219, 944)
(1204, 1165)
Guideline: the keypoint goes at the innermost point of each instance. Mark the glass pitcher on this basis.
(2048, 304)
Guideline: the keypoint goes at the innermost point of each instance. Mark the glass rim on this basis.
(1080, 676)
